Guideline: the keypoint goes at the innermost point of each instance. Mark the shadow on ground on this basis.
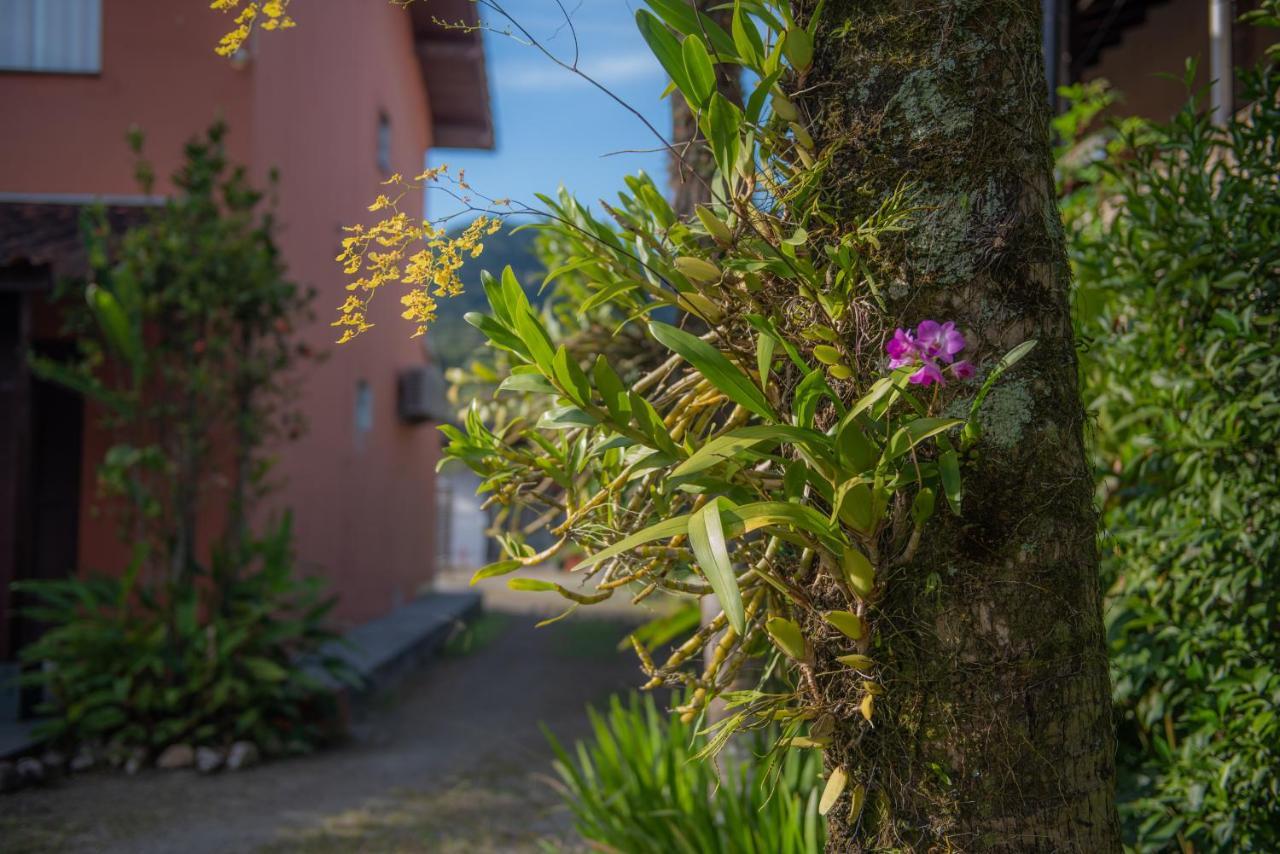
(454, 761)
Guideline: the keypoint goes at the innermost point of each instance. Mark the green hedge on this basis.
(1176, 244)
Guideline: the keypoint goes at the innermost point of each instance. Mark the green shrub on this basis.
(126, 664)
(636, 787)
(1179, 277)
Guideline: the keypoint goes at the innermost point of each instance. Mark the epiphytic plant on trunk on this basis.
(945, 662)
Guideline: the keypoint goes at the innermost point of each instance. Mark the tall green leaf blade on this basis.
(760, 514)
(665, 47)
(721, 128)
(706, 538)
(699, 69)
(684, 19)
(765, 344)
(1010, 359)
(715, 366)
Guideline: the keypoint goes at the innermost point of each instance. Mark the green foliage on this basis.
(184, 335)
(752, 450)
(1179, 277)
(125, 664)
(637, 786)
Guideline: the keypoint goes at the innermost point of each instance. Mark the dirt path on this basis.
(454, 763)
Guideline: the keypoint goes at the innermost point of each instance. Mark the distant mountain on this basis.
(452, 339)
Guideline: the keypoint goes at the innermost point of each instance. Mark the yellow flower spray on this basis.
(266, 15)
(381, 254)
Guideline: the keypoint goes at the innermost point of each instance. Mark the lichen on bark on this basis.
(994, 733)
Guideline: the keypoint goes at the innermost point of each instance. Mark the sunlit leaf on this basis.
(833, 790)
(706, 539)
(699, 70)
(914, 432)
(857, 570)
(502, 567)
(728, 446)
(847, 622)
(713, 364)
(788, 637)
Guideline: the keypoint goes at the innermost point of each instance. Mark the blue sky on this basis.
(555, 128)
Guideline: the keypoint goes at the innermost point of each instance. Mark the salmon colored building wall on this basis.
(306, 101)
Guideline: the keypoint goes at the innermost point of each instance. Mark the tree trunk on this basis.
(994, 732)
(692, 165)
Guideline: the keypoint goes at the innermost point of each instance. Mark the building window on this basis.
(364, 411)
(384, 143)
(51, 35)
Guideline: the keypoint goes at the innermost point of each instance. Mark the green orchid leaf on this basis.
(502, 567)
(684, 19)
(949, 471)
(530, 383)
(716, 367)
(699, 70)
(788, 638)
(1010, 359)
(570, 376)
(664, 46)
(727, 447)
(707, 539)
(914, 432)
(846, 622)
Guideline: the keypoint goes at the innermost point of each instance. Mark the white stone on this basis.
(176, 756)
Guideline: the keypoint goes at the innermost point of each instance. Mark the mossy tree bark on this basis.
(994, 732)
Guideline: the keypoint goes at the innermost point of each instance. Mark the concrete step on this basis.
(385, 650)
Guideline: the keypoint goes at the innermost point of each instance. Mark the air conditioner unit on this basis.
(421, 395)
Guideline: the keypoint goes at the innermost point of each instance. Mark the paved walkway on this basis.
(454, 763)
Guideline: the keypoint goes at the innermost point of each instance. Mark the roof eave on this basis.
(451, 57)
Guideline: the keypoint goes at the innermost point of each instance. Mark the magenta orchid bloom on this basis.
(932, 342)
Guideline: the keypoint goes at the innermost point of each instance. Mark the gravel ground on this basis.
(452, 762)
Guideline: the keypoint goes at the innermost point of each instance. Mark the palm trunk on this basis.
(994, 732)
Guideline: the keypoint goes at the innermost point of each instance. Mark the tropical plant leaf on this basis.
(949, 472)
(715, 366)
(914, 432)
(848, 623)
(1010, 359)
(664, 46)
(706, 538)
(788, 637)
(699, 70)
(833, 790)
(502, 567)
(730, 445)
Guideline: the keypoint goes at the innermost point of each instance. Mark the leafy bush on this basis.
(637, 787)
(1179, 276)
(125, 664)
(184, 339)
